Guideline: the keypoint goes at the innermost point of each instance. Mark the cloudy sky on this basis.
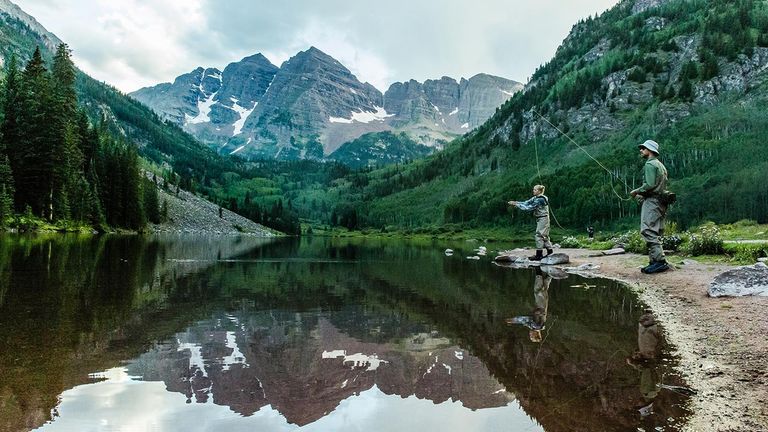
(135, 43)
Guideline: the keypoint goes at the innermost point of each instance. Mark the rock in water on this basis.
(554, 272)
(743, 281)
(557, 258)
(506, 258)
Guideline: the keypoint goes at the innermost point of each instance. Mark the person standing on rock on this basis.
(653, 210)
(538, 204)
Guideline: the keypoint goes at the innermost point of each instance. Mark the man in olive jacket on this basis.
(653, 211)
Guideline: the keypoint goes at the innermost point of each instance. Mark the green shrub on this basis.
(707, 241)
(744, 223)
(671, 242)
(632, 241)
(600, 245)
(747, 252)
(570, 242)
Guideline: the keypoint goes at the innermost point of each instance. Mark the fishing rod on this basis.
(611, 175)
(551, 210)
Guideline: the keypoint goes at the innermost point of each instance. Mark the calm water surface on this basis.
(243, 334)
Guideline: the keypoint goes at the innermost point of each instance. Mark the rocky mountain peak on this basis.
(311, 60)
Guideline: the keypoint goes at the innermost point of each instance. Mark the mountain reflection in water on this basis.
(190, 333)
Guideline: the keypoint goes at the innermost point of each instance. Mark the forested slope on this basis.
(689, 74)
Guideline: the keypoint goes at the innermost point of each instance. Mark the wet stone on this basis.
(554, 259)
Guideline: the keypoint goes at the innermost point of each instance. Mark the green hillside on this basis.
(689, 74)
(379, 149)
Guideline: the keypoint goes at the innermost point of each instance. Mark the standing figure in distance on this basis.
(538, 204)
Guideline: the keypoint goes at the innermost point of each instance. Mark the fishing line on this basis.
(551, 211)
(611, 175)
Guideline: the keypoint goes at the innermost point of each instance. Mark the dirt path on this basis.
(722, 342)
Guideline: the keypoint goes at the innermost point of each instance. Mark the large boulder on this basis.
(554, 259)
(742, 281)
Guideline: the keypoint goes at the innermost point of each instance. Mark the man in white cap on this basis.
(653, 211)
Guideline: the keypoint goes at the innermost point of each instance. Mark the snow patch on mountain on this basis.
(244, 114)
(363, 117)
(204, 111)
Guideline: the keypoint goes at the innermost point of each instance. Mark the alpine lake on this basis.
(196, 333)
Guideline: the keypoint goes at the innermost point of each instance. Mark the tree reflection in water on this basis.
(301, 326)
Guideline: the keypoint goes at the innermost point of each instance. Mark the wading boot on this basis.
(657, 267)
(537, 257)
(644, 269)
(549, 251)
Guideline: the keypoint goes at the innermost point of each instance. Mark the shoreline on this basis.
(722, 343)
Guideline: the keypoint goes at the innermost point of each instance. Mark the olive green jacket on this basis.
(655, 178)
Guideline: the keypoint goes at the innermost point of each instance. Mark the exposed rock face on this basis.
(310, 91)
(444, 105)
(312, 105)
(644, 5)
(209, 103)
(604, 114)
(11, 10)
(744, 281)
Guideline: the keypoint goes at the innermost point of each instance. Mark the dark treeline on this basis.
(56, 165)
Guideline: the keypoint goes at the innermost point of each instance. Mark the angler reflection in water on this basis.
(645, 361)
(535, 321)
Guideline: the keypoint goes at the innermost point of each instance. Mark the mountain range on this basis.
(312, 105)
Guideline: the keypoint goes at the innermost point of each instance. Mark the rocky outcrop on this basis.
(189, 213)
(743, 281)
(739, 76)
(643, 5)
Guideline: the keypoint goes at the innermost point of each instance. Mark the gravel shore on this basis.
(721, 342)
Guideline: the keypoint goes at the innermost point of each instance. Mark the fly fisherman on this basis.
(539, 205)
(653, 210)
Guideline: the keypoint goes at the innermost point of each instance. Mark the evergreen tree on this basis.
(6, 189)
(67, 157)
(9, 128)
(151, 201)
(31, 152)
